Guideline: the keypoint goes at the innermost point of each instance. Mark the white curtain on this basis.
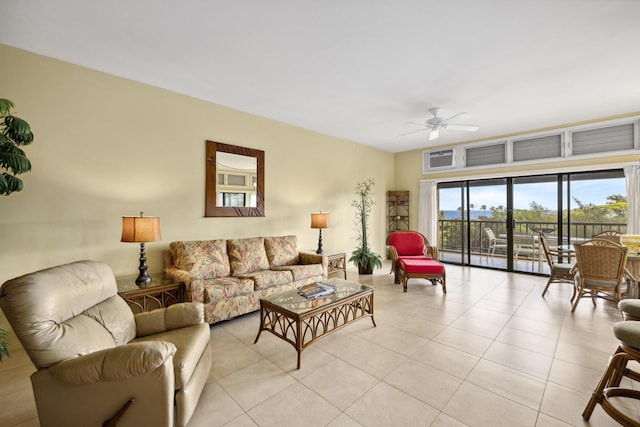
(428, 211)
(632, 175)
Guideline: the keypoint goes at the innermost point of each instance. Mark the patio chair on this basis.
(494, 242)
(601, 270)
(525, 246)
(560, 272)
(408, 244)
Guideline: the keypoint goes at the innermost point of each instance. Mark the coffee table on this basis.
(301, 321)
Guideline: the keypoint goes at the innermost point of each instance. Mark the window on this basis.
(544, 147)
(487, 155)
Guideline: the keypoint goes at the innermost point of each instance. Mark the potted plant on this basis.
(4, 350)
(363, 257)
(14, 133)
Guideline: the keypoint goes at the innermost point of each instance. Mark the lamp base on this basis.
(319, 250)
(143, 279)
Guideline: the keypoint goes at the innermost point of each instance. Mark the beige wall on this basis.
(107, 147)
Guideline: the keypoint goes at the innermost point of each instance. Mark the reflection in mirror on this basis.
(235, 180)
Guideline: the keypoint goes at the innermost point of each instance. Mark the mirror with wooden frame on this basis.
(235, 180)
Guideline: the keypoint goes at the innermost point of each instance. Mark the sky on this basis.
(545, 194)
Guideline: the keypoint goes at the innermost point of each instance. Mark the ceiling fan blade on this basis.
(435, 133)
(468, 128)
(457, 116)
(413, 131)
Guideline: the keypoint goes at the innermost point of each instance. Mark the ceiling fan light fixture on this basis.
(435, 123)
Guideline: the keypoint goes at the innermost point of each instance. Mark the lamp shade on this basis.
(320, 220)
(140, 229)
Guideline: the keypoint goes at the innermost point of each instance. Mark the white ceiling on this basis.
(359, 69)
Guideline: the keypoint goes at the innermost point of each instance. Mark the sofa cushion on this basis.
(282, 250)
(301, 272)
(205, 259)
(226, 287)
(247, 255)
(269, 278)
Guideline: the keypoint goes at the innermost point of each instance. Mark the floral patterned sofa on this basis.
(230, 276)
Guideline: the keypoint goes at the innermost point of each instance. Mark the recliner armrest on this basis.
(175, 316)
(113, 364)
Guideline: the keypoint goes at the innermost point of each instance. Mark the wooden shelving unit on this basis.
(398, 210)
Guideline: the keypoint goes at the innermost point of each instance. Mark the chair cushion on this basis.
(281, 250)
(414, 257)
(204, 259)
(422, 266)
(562, 267)
(247, 255)
(407, 243)
(630, 306)
(628, 333)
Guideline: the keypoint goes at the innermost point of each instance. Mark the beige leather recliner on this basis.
(96, 362)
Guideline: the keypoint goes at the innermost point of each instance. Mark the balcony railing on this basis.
(452, 236)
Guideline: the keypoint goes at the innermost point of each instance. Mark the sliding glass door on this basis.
(487, 222)
(495, 222)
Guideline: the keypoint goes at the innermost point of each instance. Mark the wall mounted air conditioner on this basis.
(438, 159)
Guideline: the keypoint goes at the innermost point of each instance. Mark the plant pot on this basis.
(362, 269)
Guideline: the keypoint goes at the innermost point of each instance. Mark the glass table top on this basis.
(296, 303)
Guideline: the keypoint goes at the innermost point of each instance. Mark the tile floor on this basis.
(492, 352)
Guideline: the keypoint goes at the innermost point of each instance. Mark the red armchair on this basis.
(407, 245)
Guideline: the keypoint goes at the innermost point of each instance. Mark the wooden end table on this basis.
(301, 321)
(337, 262)
(161, 292)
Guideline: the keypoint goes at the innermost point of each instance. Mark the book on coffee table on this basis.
(316, 290)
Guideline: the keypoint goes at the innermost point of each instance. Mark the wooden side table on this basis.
(161, 292)
(337, 263)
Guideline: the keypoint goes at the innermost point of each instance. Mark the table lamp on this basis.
(141, 229)
(320, 220)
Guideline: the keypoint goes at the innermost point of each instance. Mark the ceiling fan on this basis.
(435, 124)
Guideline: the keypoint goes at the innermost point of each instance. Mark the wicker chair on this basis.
(560, 272)
(601, 270)
(611, 235)
(408, 244)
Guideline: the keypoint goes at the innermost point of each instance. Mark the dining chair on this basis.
(611, 235)
(560, 272)
(494, 243)
(600, 268)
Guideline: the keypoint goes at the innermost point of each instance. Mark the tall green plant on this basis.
(4, 350)
(14, 133)
(363, 256)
